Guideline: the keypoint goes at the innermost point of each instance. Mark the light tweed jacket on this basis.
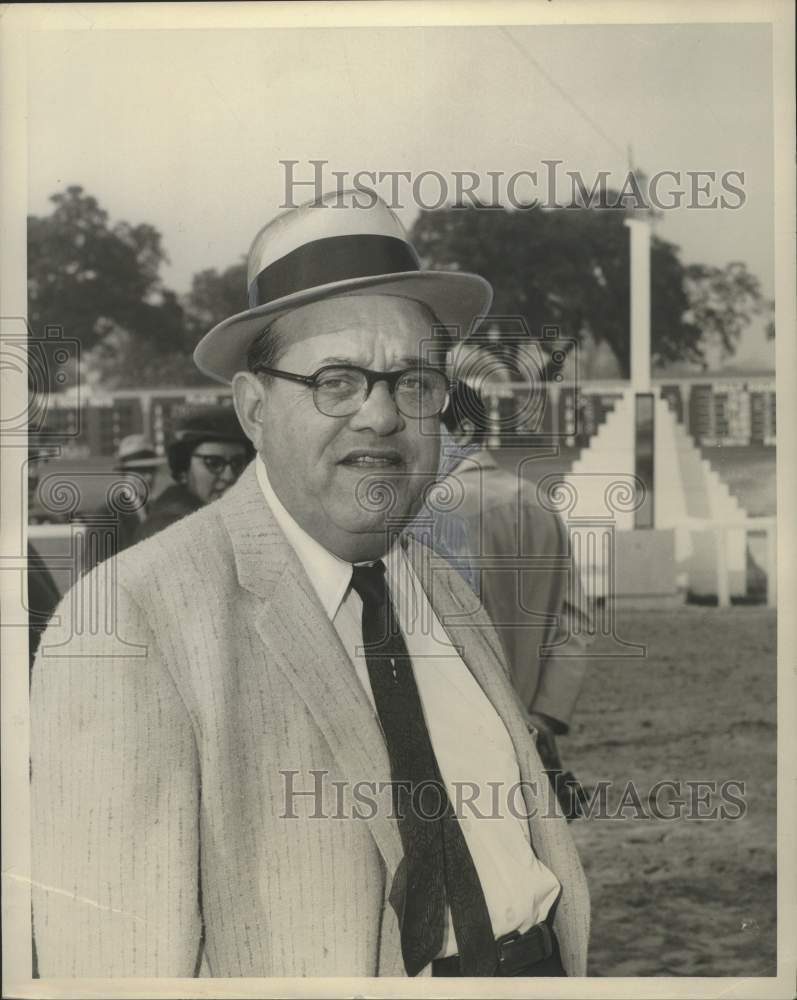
(163, 841)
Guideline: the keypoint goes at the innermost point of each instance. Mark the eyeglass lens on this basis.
(217, 463)
(342, 391)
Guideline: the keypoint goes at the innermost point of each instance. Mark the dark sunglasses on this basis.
(216, 464)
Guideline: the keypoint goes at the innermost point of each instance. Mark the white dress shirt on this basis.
(469, 739)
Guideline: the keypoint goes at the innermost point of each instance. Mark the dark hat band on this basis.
(335, 258)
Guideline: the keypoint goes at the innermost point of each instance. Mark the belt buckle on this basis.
(506, 939)
(514, 957)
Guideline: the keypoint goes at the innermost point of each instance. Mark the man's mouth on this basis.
(372, 458)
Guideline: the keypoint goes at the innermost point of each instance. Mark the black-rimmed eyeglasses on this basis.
(340, 390)
(216, 464)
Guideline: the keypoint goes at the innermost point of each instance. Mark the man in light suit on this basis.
(299, 752)
(516, 555)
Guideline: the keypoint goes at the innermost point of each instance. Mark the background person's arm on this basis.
(562, 677)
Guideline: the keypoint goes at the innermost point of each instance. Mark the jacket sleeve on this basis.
(114, 806)
(563, 663)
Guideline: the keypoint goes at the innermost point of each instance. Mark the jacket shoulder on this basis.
(495, 494)
(181, 548)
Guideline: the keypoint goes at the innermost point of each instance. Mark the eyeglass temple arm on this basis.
(291, 376)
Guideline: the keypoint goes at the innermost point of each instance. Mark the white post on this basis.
(723, 588)
(772, 566)
(685, 388)
(553, 402)
(640, 303)
(145, 402)
(494, 422)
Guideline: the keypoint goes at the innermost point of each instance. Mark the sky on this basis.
(185, 129)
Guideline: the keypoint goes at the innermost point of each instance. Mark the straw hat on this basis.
(332, 247)
(137, 452)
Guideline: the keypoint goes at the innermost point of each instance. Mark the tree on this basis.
(723, 301)
(93, 279)
(123, 361)
(213, 297)
(569, 268)
(770, 327)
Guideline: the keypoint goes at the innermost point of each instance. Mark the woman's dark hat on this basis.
(209, 423)
(200, 424)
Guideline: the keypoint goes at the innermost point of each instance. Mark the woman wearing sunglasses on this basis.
(208, 454)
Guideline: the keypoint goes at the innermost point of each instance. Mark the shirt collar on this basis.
(476, 458)
(329, 575)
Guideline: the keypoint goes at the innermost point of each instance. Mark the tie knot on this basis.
(369, 582)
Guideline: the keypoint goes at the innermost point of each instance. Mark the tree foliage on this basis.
(723, 301)
(99, 280)
(569, 268)
(214, 296)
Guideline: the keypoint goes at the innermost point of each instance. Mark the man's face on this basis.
(344, 478)
(215, 466)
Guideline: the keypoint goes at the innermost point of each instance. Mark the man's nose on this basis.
(379, 412)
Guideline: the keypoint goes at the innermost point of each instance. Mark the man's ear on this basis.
(248, 393)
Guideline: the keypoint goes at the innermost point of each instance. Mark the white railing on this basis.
(763, 525)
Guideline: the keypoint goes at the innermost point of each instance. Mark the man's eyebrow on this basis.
(335, 361)
(407, 361)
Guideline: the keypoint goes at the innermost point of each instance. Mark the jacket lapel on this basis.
(304, 645)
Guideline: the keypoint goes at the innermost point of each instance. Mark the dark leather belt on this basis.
(516, 953)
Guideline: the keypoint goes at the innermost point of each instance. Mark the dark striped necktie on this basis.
(439, 866)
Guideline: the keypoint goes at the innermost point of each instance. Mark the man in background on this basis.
(529, 585)
(136, 466)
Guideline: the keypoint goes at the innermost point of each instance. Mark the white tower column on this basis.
(640, 303)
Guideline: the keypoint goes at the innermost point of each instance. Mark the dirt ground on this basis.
(684, 896)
